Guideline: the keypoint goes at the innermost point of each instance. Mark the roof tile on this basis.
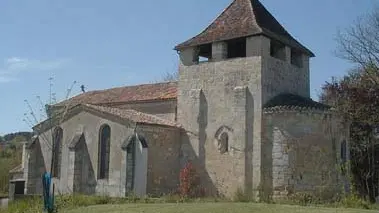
(287, 101)
(145, 92)
(240, 19)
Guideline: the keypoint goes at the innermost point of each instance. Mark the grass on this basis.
(210, 208)
(177, 204)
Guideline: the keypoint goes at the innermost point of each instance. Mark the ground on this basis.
(211, 208)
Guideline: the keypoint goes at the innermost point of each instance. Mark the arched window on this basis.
(131, 163)
(104, 150)
(57, 151)
(343, 151)
(223, 145)
(222, 138)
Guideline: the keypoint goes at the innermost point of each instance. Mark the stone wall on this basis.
(280, 76)
(163, 158)
(80, 162)
(301, 152)
(164, 109)
(214, 95)
(36, 163)
(89, 124)
(234, 91)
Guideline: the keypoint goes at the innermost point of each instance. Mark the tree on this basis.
(356, 96)
(359, 44)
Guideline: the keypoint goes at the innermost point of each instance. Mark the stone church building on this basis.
(240, 111)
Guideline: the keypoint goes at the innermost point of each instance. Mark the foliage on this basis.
(354, 201)
(17, 136)
(189, 182)
(356, 96)
(9, 159)
(241, 196)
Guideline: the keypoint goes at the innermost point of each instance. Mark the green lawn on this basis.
(210, 208)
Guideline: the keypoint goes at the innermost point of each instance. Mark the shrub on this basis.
(240, 196)
(354, 201)
(190, 182)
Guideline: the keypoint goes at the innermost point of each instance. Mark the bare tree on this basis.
(359, 44)
(169, 77)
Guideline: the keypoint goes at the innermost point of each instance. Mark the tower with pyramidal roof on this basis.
(244, 95)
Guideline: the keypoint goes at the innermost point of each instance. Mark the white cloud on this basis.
(13, 66)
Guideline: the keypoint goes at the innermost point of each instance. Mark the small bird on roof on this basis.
(83, 88)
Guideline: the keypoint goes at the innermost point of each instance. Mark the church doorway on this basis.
(136, 165)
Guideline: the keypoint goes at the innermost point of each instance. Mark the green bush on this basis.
(9, 159)
(354, 201)
(241, 196)
(30, 205)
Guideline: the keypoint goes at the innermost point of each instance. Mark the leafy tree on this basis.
(356, 96)
(19, 135)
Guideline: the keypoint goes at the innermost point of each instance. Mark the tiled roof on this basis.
(145, 92)
(240, 19)
(133, 115)
(288, 101)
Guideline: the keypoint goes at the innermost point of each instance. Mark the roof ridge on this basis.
(256, 4)
(129, 93)
(134, 85)
(243, 18)
(253, 12)
(210, 24)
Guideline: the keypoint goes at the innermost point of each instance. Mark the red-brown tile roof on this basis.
(133, 115)
(126, 114)
(240, 19)
(145, 92)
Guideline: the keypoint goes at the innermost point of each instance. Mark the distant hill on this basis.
(17, 136)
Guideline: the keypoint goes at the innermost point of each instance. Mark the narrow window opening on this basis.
(237, 48)
(57, 151)
(296, 58)
(204, 53)
(224, 143)
(277, 50)
(131, 164)
(104, 150)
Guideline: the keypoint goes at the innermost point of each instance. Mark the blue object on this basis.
(48, 197)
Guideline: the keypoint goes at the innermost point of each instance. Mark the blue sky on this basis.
(104, 44)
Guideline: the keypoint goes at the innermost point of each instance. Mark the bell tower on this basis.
(226, 75)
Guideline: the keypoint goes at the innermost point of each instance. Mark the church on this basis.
(240, 112)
